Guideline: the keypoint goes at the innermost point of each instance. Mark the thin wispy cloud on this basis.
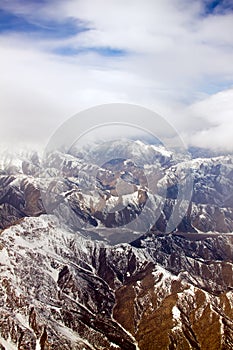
(58, 57)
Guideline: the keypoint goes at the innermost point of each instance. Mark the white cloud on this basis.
(216, 130)
(174, 56)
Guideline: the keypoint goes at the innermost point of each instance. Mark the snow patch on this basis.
(38, 347)
(176, 313)
(115, 345)
(23, 320)
(4, 258)
(8, 344)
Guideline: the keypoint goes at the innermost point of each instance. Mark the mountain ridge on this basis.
(62, 277)
(76, 285)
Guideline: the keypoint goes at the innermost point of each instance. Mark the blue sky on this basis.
(59, 57)
(218, 6)
(45, 28)
(16, 23)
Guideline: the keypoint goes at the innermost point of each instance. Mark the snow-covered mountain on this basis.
(59, 290)
(138, 187)
(76, 274)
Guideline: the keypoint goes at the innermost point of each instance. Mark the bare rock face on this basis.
(51, 295)
(19, 197)
(59, 290)
(117, 192)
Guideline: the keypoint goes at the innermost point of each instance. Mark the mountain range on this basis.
(127, 246)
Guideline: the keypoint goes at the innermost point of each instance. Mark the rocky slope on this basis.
(64, 287)
(60, 291)
(142, 182)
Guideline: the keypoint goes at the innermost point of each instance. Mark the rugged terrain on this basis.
(63, 286)
(136, 179)
(60, 291)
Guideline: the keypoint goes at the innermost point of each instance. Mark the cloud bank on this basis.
(59, 57)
